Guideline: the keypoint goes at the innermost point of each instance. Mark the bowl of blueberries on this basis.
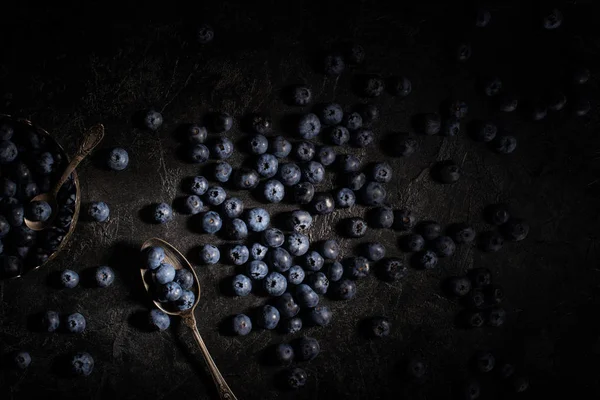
(31, 162)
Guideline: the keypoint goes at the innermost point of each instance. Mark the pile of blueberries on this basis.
(30, 164)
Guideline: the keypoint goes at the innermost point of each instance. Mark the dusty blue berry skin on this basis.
(164, 273)
(280, 147)
(153, 256)
(344, 289)
(158, 320)
(152, 120)
(349, 163)
(274, 284)
(339, 135)
(320, 316)
(279, 259)
(196, 134)
(198, 153)
(323, 203)
(211, 222)
(333, 64)
(82, 364)
(118, 159)
(331, 114)
(373, 194)
(283, 354)
(22, 360)
(233, 207)
(289, 174)
(163, 213)
(258, 219)
(352, 121)
(345, 198)
(335, 271)
(358, 267)
(268, 317)
(363, 137)
(75, 323)
(295, 275)
(300, 221)
(258, 251)
(356, 180)
(184, 278)
(50, 321)
(318, 282)
(257, 270)
(292, 325)
(304, 151)
(305, 296)
(242, 325)
(274, 191)
(210, 254)
(308, 349)
(309, 126)
(301, 95)
(297, 244)
(170, 291)
(215, 195)
(198, 185)
(374, 251)
(303, 192)
(258, 144)
(326, 155)
(330, 249)
(236, 229)
(426, 259)
(98, 211)
(105, 276)
(382, 172)
(242, 285)
(222, 148)
(373, 86)
(193, 205)
(8, 152)
(273, 237)
(223, 171)
(222, 122)
(239, 254)
(267, 165)
(313, 172)
(186, 301)
(246, 178)
(69, 279)
(313, 261)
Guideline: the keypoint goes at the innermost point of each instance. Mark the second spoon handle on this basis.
(225, 392)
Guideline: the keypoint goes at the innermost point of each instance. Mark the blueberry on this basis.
(333, 64)
(289, 174)
(280, 147)
(296, 378)
(363, 138)
(205, 34)
(429, 229)
(331, 114)
(75, 323)
(303, 192)
(355, 227)
(379, 327)
(557, 101)
(8, 152)
(339, 135)
(520, 384)
(405, 147)
(463, 52)
(538, 112)
(279, 259)
(426, 259)
(356, 180)
(223, 171)
(242, 325)
(400, 86)
(11, 266)
(184, 278)
(82, 364)
(349, 163)
(98, 211)
(164, 273)
(581, 107)
(485, 132)
(246, 178)
(484, 361)
(344, 289)
(305, 296)
(457, 109)
(297, 244)
(211, 222)
(162, 213)
(496, 317)
(287, 306)
(196, 134)
(267, 165)
(330, 249)
(313, 261)
(382, 172)
(450, 127)
(257, 270)
(304, 151)
(443, 246)
(490, 242)
(469, 390)
(508, 102)
(210, 254)
(236, 229)
(373, 194)
(372, 86)
(472, 319)
(198, 185)
(393, 269)
(515, 229)
(404, 219)
(69, 278)
(198, 153)
(475, 299)
(292, 325)
(50, 321)
(273, 191)
(258, 219)
(352, 121)
(223, 122)
(374, 251)
(458, 286)
(318, 282)
(295, 275)
(222, 148)
(416, 369)
(268, 317)
(30, 190)
(118, 159)
(186, 301)
(44, 163)
(326, 155)
(233, 207)
(273, 237)
(38, 211)
(170, 291)
(193, 204)
(307, 348)
(358, 267)
(8, 188)
(104, 276)
(580, 76)
(283, 354)
(313, 172)
(238, 254)
(261, 124)
(7, 130)
(462, 233)
(158, 320)
(494, 294)
(215, 195)
(242, 285)
(259, 144)
(301, 95)
(335, 271)
(320, 316)
(20, 172)
(431, 124)
(482, 18)
(492, 87)
(552, 19)
(497, 214)
(323, 203)
(258, 251)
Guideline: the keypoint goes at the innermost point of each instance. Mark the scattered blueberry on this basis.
(431, 124)
(295, 275)
(462, 233)
(211, 222)
(553, 19)
(289, 174)
(426, 259)
(497, 214)
(186, 301)
(98, 211)
(163, 213)
(242, 325)
(280, 147)
(330, 249)
(44, 163)
(283, 354)
(242, 285)
(304, 151)
(356, 180)
(273, 237)
(313, 172)
(184, 278)
(8, 188)
(296, 378)
(429, 229)
(323, 203)
(273, 191)
(358, 267)
(69, 278)
(484, 361)
(339, 135)
(236, 229)
(405, 147)
(469, 390)
(475, 299)
(363, 138)
(300, 220)
(472, 319)
(355, 227)
(238, 254)
(557, 101)
(318, 282)
(246, 178)
(344, 289)
(416, 369)
(458, 286)
(75, 323)
(233, 207)
(326, 155)
(258, 219)
(494, 294)
(374, 251)
(373, 194)
(496, 317)
(164, 273)
(223, 171)
(313, 261)
(198, 153)
(580, 76)
(515, 229)
(443, 246)
(382, 172)
(463, 52)
(349, 163)
(297, 244)
(104, 276)
(215, 195)
(373, 86)
(267, 165)
(301, 95)
(261, 124)
(354, 54)
(292, 325)
(307, 348)
(50, 321)
(118, 159)
(193, 204)
(379, 327)
(333, 64)
(279, 259)
(170, 291)
(581, 107)
(6, 130)
(196, 134)
(259, 144)
(369, 113)
(257, 270)
(485, 132)
(520, 384)
(404, 219)
(352, 121)
(331, 114)
(198, 185)
(393, 269)
(159, 320)
(508, 102)
(287, 306)
(223, 122)
(210, 254)
(400, 86)
(335, 271)
(320, 316)
(305, 296)
(82, 364)
(268, 317)
(450, 127)
(303, 192)
(222, 148)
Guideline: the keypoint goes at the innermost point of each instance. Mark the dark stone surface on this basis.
(67, 68)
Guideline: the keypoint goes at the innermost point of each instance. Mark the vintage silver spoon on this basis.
(175, 258)
(93, 136)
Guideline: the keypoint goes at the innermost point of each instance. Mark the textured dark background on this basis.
(67, 68)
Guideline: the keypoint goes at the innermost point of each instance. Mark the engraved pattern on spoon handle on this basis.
(225, 392)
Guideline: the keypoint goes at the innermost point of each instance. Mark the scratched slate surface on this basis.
(103, 65)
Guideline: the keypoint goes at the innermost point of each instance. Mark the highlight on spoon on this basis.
(158, 279)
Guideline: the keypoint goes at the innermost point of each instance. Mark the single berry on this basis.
(193, 205)
(358, 267)
(211, 222)
(267, 165)
(326, 155)
(198, 153)
(198, 185)
(205, 34)
(426, 259)
(297, 244)
(289, 174)
(318, 282)
(400, 86)
(304, 151)
(379, 327)
(258, 144)
(233, 207)
(296, 378)
(279, 259)
(292, 325)
(491, 242)
(257, 270)
(307, 348)
(305, 296)
(242, 285)
(301, 95)
(238, 254)
(273, 237)
(105, 276)
(283, 354)
(458, 286)
(258, 219)
(295, 275)
(339, 135)
(333, 64)
(258, 251)
(82, 364)
(69, 279)
(320, 316)
(372, 86)
(280, 147)
(222, 122)
(331, 114)
(443, 246)
(268, 317)
(242, 325)
(50, 321)
(344, 289)
(75, 323)
(323, 203)
(196, 134)
(355, 227)
(236, 229)
(159, 320)
(330, 249)
(303, 192)
(184, 278)
(404, 219)
(223, 171)
(393, 269)
(210, 254)
(170, 291)
(118, 159)
(162, 213)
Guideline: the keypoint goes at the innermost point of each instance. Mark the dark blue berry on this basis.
(39, 211)
(205, 34)
(450, 127)
(223, 171)
(162, 213)
(447, 172)
(287, 306)
(344, 289)
(320, 316)
(69, 279)
(11, 266)
(515, 229)
(118, 159)
(8, 188)
(280, 147)
(305, 296)
(505, 144)
(413, 242)
(222, 122)
(246, 178)
(335, 271)
(309, 126)
(295, 275)
(303, 192)
(462, 233)
(297, 244)
(496, 317)
(313, 261)
(98, 211)
(82, 364)
(330, 249)
(210, 254)
(326, 155)
(259, 144)
(405, 147)
(356, 180)
(8, 152)
(268, 317)
(313, 172)
(333, 64)
(236, 229)
(307, 348)
(75, 323)
(374, 251)
(458, 109)
(552, 19)
(429, 229)
(358, 267)
(211, 222)
(382, 217)
(363, 137)
(215, 195)
(267, 165)
(463, 52)
(484, 132)
(352, 121)
(258, 219)
(257, 270)
(238, 254)
(7, 130)
(318, 282)
(44, 164)
(198, 153)
(304, 151)
(283, 354)
(193, 205)
(184, 278)
(258, 251)
(379, 327)
(233, 207)
(242, 285)
(426, 259)
(458, 286)
(323, 203)
(373, 86)
(443, 246)
(170, 291)
(331, 114)
(292, 325)
(261, 124)
(222, 148)
(301, 95)
(491, 242)
(508, 102)
(339, 135)
(186, 301)
(273, 237)
(196, 134)
(158, 320)
(400, 86)
(198, 185)
(289, 174)
(105, 276)
(50, 321)
(373, 194)
(431, 124)
(273, 191)
(296, 378)
(382, 172)
(393, 269)
(279, 259)
(242, 325)
(349, 163)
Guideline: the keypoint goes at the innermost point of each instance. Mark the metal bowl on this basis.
(75, 179)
